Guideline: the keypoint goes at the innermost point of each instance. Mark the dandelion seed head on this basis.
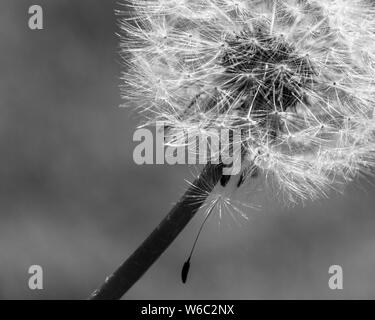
(296, 76)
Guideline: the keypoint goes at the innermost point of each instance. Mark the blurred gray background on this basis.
(73, 201)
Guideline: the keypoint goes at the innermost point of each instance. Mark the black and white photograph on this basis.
(187, 151)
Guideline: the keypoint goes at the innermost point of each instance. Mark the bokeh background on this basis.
(73, 201)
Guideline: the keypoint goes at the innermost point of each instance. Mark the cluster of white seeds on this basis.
(297, 77)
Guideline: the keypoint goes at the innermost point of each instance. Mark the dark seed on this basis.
(185, 271)
(224, 180)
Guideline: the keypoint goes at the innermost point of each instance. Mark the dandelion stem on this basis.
(159, 240)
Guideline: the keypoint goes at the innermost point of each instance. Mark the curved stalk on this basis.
(159, 240)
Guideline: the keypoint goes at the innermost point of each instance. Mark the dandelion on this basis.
(296, 77)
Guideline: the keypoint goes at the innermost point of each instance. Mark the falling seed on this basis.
(224, 180)
(185, 271)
